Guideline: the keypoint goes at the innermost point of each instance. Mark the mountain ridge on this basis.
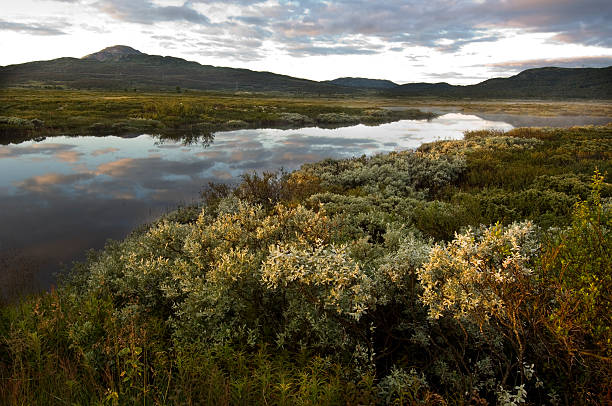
(124, 68)
(544, 82)
(121, 67)
(363, 83)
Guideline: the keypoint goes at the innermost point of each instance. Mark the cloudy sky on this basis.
(458, 41)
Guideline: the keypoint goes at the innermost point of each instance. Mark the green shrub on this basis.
(360, 281)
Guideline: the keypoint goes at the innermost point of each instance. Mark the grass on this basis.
(33, 113)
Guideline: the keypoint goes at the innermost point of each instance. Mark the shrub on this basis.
(575, 266)
(485, 278)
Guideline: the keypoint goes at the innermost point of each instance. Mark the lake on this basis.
(64, 195)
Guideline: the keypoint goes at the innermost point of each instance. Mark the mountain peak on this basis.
(113, 53)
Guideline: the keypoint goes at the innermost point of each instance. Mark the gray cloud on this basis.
(446, 76)
(338, 27)
(458, 44)
(338, 50)
(145, 12)
(586, 22)
(96, 29)
(33, 29)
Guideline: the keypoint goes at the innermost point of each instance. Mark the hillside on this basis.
(121, 67)
(363, 83)
(549, 82)
(114, 53)
(124, 68)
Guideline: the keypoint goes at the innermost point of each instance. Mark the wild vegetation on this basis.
(466, 272)
(28, 114)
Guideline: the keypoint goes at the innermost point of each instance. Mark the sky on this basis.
(454, 41)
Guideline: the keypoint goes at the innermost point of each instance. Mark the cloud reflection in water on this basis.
(66, 194)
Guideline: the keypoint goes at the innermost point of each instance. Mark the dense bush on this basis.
(406, 278)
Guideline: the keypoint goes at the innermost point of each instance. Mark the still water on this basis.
(64, 195)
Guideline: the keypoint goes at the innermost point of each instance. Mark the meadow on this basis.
(465, 272)
(28, 114)
(34, 113)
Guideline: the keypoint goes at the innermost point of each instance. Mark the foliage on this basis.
(467, 272)
(32, 113)
(576, 265)
(477, 277)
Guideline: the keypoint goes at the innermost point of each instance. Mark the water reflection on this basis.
(63, 195)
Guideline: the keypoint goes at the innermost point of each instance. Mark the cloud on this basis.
(152, 170)
(103, 151)
(44, 183)
(146, 12)
(454, 46)
(321, 50)
(35, 149)
(68, 156)
(228, 46)
(95, 29)
(447, 76)
(250, 30)
(586, 22)
(416, 23)
(33, 28)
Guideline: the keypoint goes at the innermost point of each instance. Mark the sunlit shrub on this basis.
(483, 140)
(395, 174)
(325, 274)
(485, 278)
(476, 274)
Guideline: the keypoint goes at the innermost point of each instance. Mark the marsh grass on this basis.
(17, 275)
(33, 113)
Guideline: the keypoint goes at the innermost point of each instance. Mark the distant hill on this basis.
(115, 53)
(122, 67)
(549, 82)
(364, 83)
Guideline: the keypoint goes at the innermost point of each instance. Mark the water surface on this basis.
(64, 195)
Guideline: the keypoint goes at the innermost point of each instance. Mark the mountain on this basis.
(114, 53)
(121, 67)
(424, 89)
(549, 82)
(363, 83)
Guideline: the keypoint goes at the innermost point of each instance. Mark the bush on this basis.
(576, 266)
(356, 281)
